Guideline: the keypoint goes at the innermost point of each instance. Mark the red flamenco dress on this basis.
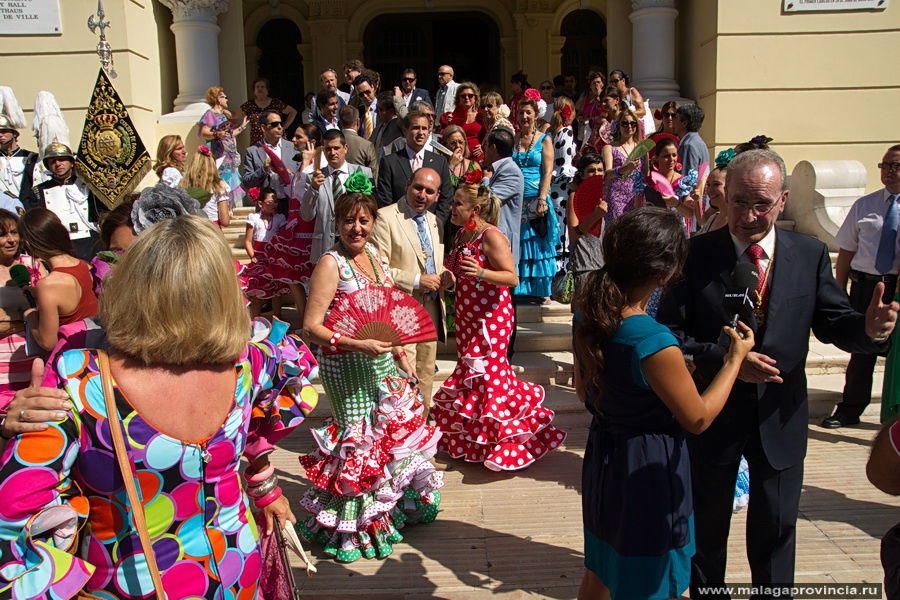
(474, 131)
(485, 414)
(285, 258)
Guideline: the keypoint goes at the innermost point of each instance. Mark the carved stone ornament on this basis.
(533, 6)
(191, 9)
(326, 9)
(639, 4)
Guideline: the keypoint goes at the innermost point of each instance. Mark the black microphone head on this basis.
(20, 276)
(745, 275)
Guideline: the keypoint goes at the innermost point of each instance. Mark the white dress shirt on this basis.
(861, 232)
(768, 246)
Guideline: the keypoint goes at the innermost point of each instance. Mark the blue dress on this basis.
(537, 260)
(636, 478)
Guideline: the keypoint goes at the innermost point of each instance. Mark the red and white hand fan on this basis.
(381, 313)
(586, 198)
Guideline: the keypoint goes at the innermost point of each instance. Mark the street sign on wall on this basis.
(817, 5)
(29, 17)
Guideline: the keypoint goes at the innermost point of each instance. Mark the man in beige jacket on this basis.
(408, 237)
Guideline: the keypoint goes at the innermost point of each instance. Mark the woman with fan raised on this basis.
(485, 413)
(624, 186)
(370, 472)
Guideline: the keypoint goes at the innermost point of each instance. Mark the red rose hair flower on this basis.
(474, 177)
(204, 150)
(533, 94)
(254, 194)
(566, 112)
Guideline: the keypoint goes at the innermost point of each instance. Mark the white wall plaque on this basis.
(29, 17)
(817, 5)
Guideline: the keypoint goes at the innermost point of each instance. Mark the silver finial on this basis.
(104, 50)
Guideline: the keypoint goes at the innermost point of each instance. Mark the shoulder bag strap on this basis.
(137, 509)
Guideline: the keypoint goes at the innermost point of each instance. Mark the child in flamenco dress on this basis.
(262, 226)
(485, 414)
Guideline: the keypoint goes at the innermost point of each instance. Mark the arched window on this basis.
(280, 61)
(584, 49)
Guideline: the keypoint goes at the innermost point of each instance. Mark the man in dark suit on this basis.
(396, 169)
(388, 128)
(765, 418)
(408, 91)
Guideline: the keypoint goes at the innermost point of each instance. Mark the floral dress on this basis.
(203, 534)
(225, 152)
(485, 413)
(619, 192)
(370, 472)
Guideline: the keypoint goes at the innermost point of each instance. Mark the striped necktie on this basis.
(368, 124)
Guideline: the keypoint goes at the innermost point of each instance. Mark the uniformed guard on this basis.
(16, 168)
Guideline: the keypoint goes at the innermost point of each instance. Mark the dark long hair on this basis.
(643, 246)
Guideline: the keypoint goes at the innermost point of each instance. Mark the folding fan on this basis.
(588, 194)
(662, 185)
(641, 150)
(382, 313)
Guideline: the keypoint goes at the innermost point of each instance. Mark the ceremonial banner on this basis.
(111, 159)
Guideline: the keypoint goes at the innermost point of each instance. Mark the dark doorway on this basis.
(281, 63)
(583, 50)
(467, 41)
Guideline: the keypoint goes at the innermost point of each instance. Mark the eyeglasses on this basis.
(443, 73)
(274, 124)
(467, 95)
(615, 80)
(546, 87)
(407, 79)
(627, 123)
(669, 115)
(891, 166)
(759, 208)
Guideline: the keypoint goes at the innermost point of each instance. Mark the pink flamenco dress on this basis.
(284, 259)
(370, 472)
(485, 414)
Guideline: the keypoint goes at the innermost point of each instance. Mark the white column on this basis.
(653, 49)
(196, 32)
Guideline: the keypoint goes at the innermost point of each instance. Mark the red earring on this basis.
(471, 224)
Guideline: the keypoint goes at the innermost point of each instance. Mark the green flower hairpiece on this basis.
(724, 157)
(358, 183)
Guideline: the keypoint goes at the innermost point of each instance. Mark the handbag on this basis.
(562, 286)
(137, 509)
(539, 224)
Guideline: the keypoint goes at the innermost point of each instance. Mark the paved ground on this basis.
(519, 536)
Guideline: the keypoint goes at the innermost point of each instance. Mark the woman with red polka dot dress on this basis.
(485, 413)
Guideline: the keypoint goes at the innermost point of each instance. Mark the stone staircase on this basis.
(543, 348)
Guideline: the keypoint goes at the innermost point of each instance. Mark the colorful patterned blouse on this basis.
(201, 528)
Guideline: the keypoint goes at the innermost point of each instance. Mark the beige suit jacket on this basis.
(360, 151)
(397, 240)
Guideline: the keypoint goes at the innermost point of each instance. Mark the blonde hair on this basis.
(202, 173)
(556, 121)
(174, 298)
(480, 195)
(468, 85)
(164, 151)
(492, 97)
(639, 130)
(450, 130)
(212, 94)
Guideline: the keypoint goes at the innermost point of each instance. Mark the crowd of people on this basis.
(116, 321)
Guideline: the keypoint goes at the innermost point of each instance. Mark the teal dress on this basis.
(537, 259)
(636, 476)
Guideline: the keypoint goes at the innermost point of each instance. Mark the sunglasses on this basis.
(546, 87)
(487, 106)
(889, 166)
(628, 124)
(615, 80)
(408, 79)
(669, 115)
(467, 95)
(442, 73)
(274, 124)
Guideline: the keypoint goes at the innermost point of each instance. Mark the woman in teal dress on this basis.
(631, 375)
(370, 472)
(537, 242)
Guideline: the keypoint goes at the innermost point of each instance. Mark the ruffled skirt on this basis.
(537, 257)
(282, 261)
(371, 474)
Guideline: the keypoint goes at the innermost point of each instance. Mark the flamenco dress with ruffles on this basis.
(485, 414)
(370, 472)
(284, 259)
(225, 152)
(203, 534)
(537, 249)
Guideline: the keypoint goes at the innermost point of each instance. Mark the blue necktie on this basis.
(427, 250)
(884, 259)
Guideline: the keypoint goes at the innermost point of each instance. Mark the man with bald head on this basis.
(445, 97)
(766, 415)
(407, 236)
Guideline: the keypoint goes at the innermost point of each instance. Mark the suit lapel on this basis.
(405, 167)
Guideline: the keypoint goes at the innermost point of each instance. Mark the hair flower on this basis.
(358, 183)
(686, 184)
(254, 194)
(475, 176)
(760, 139)
(162, 202)
(503, 111)
(204, 150)
(533, 94)
(724, 157)
(566, 112)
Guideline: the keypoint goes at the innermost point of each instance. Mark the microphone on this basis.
(21, 277)
(738, 302)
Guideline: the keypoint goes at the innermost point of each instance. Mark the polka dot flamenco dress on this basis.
(370, 472)
(485, 414)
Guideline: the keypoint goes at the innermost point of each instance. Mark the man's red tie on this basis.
(755, 253)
